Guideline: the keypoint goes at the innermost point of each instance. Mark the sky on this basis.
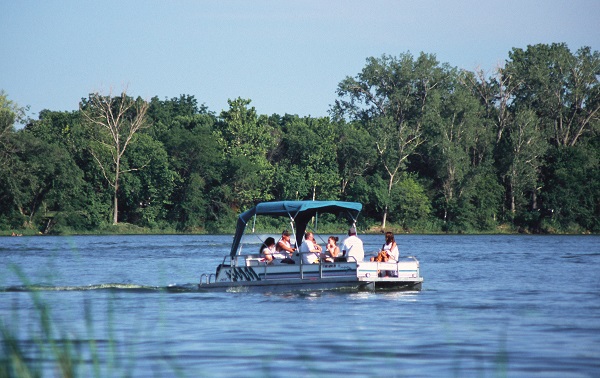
(284, 56)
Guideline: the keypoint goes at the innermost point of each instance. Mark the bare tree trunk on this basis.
(115, 120)
(534, 201)
(513, 207)
(385, 212)
(389, 193)
(116, 200)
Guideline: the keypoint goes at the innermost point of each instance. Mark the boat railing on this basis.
(395, 267)
(320, 263)
(414, 259)
(205, 278)
(237, 260)
(257, 261)
(321, 260)
(401, 260)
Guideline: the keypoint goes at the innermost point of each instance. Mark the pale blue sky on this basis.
(285, 56)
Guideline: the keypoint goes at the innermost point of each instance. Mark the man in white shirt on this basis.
(353, 246)
(310, 250)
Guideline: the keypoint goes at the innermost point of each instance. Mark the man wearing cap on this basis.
(353, 246)
(285, 251)
(284, 244)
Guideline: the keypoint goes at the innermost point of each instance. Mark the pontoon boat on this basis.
(243, 270)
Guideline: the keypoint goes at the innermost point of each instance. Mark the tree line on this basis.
(426, 147)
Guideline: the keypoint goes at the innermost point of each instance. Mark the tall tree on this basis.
(10, 113)
(528, 146)
(146, 192)
(562, 87)
(245, 140)
(308, 168)
(113, 121)
(42, 176)
(90, 203)
(410, 204)
(356, 153)
(495, 95)
(458, 140)
(63, 128)
(187, 132)
(572, 182)
(391, 96)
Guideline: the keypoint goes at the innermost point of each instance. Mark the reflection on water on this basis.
(129, 305)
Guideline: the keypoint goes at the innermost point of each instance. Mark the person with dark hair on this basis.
(284, 244)
(333, 251)
(389, 250)
(268, 249)
(353, 246)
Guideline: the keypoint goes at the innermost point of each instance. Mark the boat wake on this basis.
(115, 287)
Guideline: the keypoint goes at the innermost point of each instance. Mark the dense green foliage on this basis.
(424, 146)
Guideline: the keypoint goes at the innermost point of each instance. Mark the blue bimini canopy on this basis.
(299, 212)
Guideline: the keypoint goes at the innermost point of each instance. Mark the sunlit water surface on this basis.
(515, 306)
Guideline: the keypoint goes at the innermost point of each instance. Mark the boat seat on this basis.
(253, 260)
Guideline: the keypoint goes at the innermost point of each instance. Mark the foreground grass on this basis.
(42, 348)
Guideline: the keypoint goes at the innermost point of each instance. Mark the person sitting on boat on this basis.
(353, 246)
(268, 250)
(310, 250)
(389, 251)
(333, 251)
(284, 245)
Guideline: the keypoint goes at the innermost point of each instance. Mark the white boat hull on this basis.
(250, 274)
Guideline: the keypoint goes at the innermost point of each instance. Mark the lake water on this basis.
(507, 306)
